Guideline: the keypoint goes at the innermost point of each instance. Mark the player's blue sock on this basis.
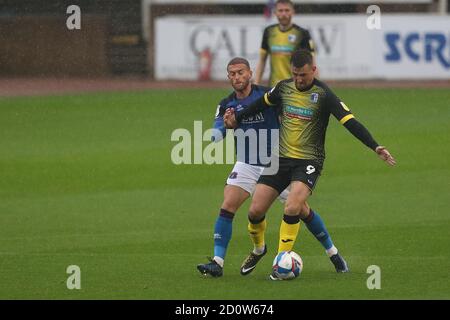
(315, 225)
(222, 234)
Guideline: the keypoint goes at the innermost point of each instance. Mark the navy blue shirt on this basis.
(261, 124)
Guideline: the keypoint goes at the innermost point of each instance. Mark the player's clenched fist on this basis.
(229, 119)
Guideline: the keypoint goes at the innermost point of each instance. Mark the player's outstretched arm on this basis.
(385, 155)
(360, 132)
(257, 106)
(268, 100)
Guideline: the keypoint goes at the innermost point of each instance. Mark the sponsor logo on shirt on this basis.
(278, 48)
(257, 118)
(299, 112)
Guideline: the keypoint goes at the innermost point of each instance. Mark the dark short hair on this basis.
(301, 57)
(238, 60)
(285, 2)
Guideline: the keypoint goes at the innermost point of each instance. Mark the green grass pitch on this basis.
(87, 180)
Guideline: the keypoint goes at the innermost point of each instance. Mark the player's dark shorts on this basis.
(290, 169)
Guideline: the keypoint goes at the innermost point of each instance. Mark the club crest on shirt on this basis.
(292, 38)
(314, 97)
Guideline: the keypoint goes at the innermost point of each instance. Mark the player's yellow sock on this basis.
(256, 229)
(289, 229)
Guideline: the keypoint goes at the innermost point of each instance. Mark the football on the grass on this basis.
(287, 265)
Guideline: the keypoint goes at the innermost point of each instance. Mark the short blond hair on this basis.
(285, 2)
(238, 60)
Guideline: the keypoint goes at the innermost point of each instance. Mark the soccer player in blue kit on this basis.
(242, 181)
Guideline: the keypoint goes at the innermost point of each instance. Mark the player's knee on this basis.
(230, 205)
(304, 212)
(256, 211)
(291, 208)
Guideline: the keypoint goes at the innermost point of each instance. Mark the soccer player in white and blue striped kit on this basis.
(241, 182)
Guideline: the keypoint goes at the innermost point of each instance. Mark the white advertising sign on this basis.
(405, 47)
(267, 1)
(414, 47)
